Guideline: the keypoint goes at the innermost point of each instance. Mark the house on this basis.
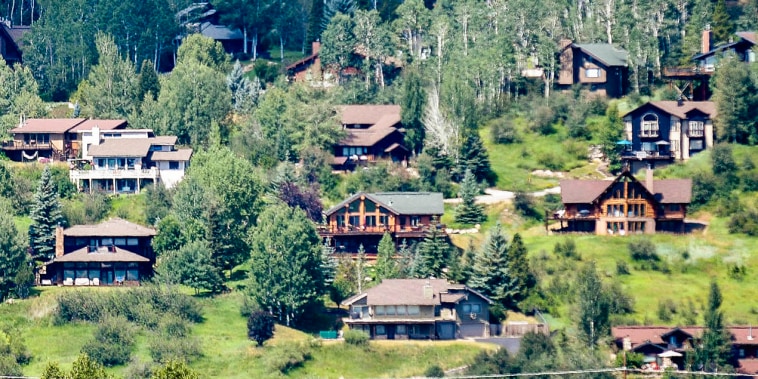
(741, 46)
(374, 133)
(11, 42)
(362, 219)
(664, 346)
(419, 309)
(600, 68)
(624, 205)
(308, 69)
(113, 252)
(126, 165)
(665, 131)
(53, 138)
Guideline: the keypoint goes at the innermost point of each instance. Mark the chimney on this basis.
(564, 43)
(707, 38)
(750, 333)
(428, 291)
(315, 47)
(649, 179)
(96, 134)
(627, 343)
(58, 241)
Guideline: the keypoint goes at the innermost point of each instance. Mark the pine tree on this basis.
(468, 212)
(723, 28)
(408, 267)
(433, 253)
(518, 267)
(329, 262)
(148, 82)
(244, 92)
(714, 353)
(473, 156)
(12, 255)
(414, 101)
(46, 216)
(315, 21)
(490, 273)
(386, 267)
(360, 266)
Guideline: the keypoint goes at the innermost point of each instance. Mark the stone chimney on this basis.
(58, 241)
(649, 179)
(428, 291)
(315, 47)
(707, 38)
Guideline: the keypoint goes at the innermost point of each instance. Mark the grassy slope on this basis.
(227, 352)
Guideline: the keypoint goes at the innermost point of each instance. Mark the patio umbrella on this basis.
(662, 142)
(624, 142)
(669, 354)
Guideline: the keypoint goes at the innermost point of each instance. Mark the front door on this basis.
(390, 332)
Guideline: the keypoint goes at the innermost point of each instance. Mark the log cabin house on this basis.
(113, 252)
(624, 205)
(362, 219)
(419, 309)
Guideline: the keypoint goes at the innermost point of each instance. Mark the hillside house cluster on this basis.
(419, 309)
(113, 252)
(666, 347)
(624, 205)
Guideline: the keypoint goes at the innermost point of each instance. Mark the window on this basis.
(649, 146)
(649, 125)
(370, 220)
(390, 310)
(413, 310)
(415, 220)
(476, 308)
(132, 241)
(400, 329)
(742, 353)
(119, 241)
(696, 144)
(674, 208)
(383, 220)
(380, 330)
(106, 242)
(675, 125)
(697, 128)
(355, 220)
(466, 308)
(675, 145)
(370, 206)
(130, 163)
(592, 72)
(401, 310)
(173, 165)
(379, 310)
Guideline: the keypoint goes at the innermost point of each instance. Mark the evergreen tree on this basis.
(473, 156)
(723, 28)
(518, 267)
(409, 263)
(468, 211)
(490, 273)
(386, 267)
(344, 284)
(46, 216)
(714, 352)
(593, 306)
(329, 263)
(433, 253)
(612, 133)
(734, 92)
(148, 82)
(286, 275)
(244, 92)
(414, 101)
(360, 268)
(334, 7)
(12, 255)
(315, 21)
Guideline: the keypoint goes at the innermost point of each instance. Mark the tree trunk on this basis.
(255, 45)
(281, 47)
(244, 40)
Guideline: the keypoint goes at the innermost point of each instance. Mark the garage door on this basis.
(472, 330)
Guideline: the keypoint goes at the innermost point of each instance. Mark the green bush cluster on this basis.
(112, 343)
(13, 354)
(144, 306)
(356, 338)
(286, 357)
(173, 342)
(744, 221)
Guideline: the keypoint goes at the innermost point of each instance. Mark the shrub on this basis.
(138, 370)
(174, 370)
(543, 119)
(666, 310)
(633, 360)
(744, 221)
(260, 327)
(504, 131)
(287, 357)
(356, 338)
(622, 268)
(551, 161)
(434, 371)
(112, 342)
(164, 348)
(643, 250)
(566, 249)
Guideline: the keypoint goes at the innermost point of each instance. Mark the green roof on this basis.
(403, 203)
(605, 53)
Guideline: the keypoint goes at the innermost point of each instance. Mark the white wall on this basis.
(170, 178)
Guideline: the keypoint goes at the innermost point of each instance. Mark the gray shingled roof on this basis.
(404, 203)
(219, 32)
(114, 227)
(411, 292)
(117, 255)
(605, 53)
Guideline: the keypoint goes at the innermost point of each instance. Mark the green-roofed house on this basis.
(363, 218)
(600, 68)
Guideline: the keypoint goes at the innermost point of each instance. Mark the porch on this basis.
(113, 181)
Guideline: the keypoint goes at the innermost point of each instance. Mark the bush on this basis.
(643, 250)
(622, 268)
(287, 357)
(138, 370)
(164, 348)
(356, 338)
(744, 221)
(567, 249)
(504, 131)
(523, 203)
(260, 327)
(543, 119)
(434, 372)
(666, 310)
(112, 342)
(174, 370)
(551, 161)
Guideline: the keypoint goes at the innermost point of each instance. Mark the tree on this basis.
(111, 89)
(244, 92)
(714, 352)
(724, 166)
(735, 95)
(260, 327)
(518, 268)
(85, 368)
(344, 284)
(412, 25)
(157, 202)
(413, 103)
(473, 156)
(408, 267)
(191, 265)
(490, 273)
(468, 211)
(332, 8)
(12, 255)
(170, 236)
(386, 267)
(248, 16)
(174, 370)
(338, 43)
(18, 96)
(286, 274)
(360, 268)
(593, 307)
(329, 263)
(202, 50)
(723, 28)
(147, 81)
(46, 216)
(433, 252)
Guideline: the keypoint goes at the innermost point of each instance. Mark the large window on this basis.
(696, 144)
(370, 220)
(697, 128)
(413, 310)
(592, 72)
(380, 330)
(649, 125)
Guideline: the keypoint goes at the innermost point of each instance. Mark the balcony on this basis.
(687, 72)
(76, 175)
(661, 155)
(398, 230)
(21, 145)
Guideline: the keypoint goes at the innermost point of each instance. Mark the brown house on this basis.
(10, 43)
(374, 133)
(624, 205)
(599, 68)
(419, 309)
(53, 138)
(664, 346)
(362, 219)
(308, 69)
(113, 252)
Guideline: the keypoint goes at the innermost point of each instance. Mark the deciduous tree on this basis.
(260, 327)
(593, 307)
(12, 254)
(714, 352)
(111, 89)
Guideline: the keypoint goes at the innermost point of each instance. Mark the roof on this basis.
(219, 32)
(163, 140)
(47, 125)
(114, 227)
(741, 335)
(665, 191)
(749, 36)
(178, 155)
(681, 111)
(16, 33)
(368, 114)
(747, 366)
(409, 292)
(101, 255)
(102, 124)
(605, 53)
(404, 203)
(302, 62)
(121, 147)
